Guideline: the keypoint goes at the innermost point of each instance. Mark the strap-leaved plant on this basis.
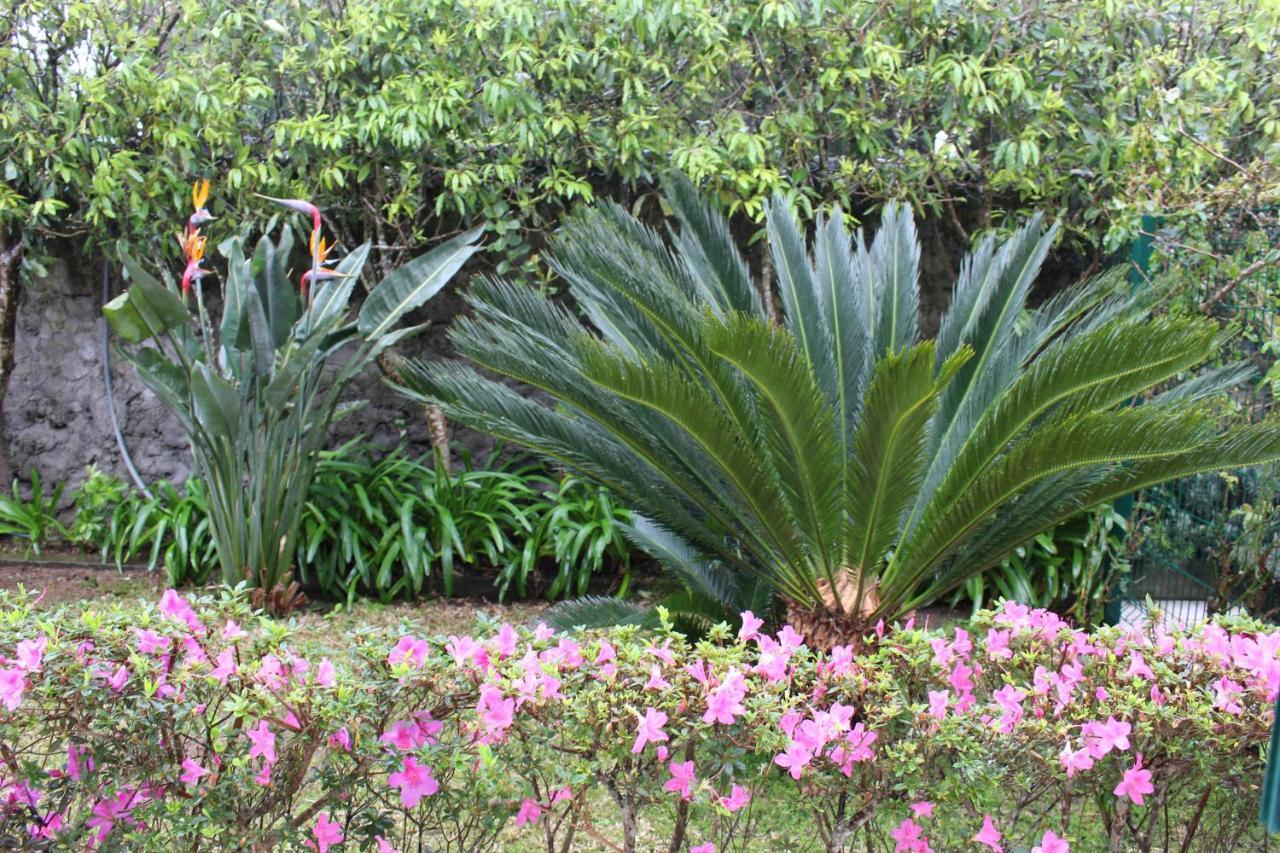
(256, 394)
(854, 468)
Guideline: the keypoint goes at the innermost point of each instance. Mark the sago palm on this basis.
(835, 457)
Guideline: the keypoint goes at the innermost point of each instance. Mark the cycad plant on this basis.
(257, 394)
(835, 457)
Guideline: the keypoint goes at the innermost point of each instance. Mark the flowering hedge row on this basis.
(198, 725)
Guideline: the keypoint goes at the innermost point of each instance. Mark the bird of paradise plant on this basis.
(253, 394)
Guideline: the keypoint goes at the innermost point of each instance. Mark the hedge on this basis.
(195, 724)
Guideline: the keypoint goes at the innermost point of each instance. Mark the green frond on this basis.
(846, 305)
(1076, 441)
(597, 611)
(888, 459)
(705, 246)
(894, 275)
(694, 571)
(798, 431)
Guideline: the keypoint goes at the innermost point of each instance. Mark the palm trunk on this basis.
(10, 288)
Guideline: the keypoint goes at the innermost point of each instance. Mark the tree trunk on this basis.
(10, 255)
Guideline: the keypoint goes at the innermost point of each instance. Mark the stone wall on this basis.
(59, 420)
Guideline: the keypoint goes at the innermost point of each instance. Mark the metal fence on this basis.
(1211, 543)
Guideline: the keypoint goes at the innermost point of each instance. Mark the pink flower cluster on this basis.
(415, 722)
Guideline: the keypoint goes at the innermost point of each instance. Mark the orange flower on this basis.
(199, 194)
(319, 248)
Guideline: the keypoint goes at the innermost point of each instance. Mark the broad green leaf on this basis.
(413, 284)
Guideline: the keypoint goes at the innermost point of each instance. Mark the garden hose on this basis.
(106, 380)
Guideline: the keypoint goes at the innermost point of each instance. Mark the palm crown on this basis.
(835, 457)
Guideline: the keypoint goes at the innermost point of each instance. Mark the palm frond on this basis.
(888, 459)
(894, 276)
(706, 247)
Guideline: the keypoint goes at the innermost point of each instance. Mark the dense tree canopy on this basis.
(409, 118)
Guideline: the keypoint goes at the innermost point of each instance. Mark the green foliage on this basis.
(1073, 569)
(408, 116)
(257, 398)
(388, 527)
(169, 529)
(94, 500)
(856, 469)
(34, 519)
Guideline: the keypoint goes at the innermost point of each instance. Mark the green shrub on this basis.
(1074, 569)
(391, 526)
(202, 724)
(405, 116)
(34, 519)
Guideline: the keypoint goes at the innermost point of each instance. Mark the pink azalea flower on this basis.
(117, 679)
(326, 675)
(529, 812)
(13, 683)
(506, 641)
(681, 780)
(650, 729)
(384, 846)
(703, 848)
(327, 833)
(908, 837)
(737, 799)
(938, 702)
(962, 678)
(989, 835)
(724, 704)
(49, 826)
(414, 781)
(606, 653)
(30, 653)
(1225, 690)
(404, 735)
(662, 653)
(1075, 761)
(176, 607)
(75, 767)
(226, 666)
(1051, 843)
(790, 639)
(1138, 667)
(409, 650)
(191, 772)
(341, 739)
(264, 742)
(922, 809)
(656, 681)
(1136, 783)
(149, 642)
(751, 625)
(233, 631)
(998, 644)
(794, 760)
(541, 633)
(1101, 738)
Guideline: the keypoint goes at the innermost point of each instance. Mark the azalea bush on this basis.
(196, 723)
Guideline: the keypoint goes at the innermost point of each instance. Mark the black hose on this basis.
(106, 380)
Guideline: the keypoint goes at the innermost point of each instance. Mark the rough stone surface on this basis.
(59, 420)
